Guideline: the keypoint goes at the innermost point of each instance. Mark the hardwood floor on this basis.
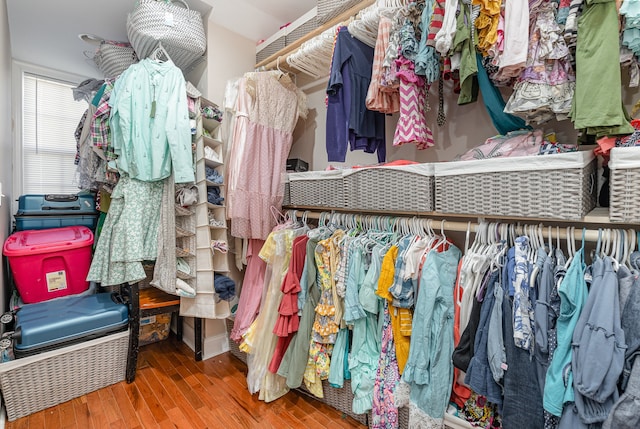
(171, 390)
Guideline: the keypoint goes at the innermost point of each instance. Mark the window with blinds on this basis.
(50, 118)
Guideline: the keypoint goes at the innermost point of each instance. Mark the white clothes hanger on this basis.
(160, 54)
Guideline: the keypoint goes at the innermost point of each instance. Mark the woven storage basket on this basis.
(286, 201)
(317, 189)
(561, 186)
(302, 26)
(233, 346)
(112, 58)
(329, 9)
(401, 188)
(624, 185)
(340, 398)
(37, 382)
(173, 23)
(270, 46)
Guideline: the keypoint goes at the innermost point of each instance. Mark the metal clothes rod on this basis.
(560, 232)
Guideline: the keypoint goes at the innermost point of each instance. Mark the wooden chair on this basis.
(148, 302)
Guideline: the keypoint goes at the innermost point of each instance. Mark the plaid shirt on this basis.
(100, 128)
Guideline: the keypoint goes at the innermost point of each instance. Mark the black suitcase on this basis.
(64, 321)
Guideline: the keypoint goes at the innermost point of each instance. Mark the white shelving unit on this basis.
(209, 153)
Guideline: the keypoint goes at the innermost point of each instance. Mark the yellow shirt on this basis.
(400, 317)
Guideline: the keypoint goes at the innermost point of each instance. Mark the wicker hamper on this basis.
(302, 26)
(561, 186)
(37, 382)
(329, 9)
(624, 185)
(398, 188)
(270, 46)
(179, 29)
(339, 398)
(317, 189)
(233, 346)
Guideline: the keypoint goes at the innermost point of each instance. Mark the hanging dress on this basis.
(268, 107)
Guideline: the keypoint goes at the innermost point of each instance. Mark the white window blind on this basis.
(50, 118)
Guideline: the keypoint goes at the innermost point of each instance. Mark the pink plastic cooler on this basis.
(49, 263)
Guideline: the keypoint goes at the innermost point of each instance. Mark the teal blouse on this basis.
(150, 122)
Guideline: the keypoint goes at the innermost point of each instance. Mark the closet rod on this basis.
(280, 57)
(591, 235)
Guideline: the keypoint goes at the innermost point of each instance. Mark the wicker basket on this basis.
(37, 382)
(561, 186)
(317, 189)
(401, 188)
(112, 58)
(339, 398)
(302, 26)
(271, 46)
(233, 346)
(174, 24)
(624, 185)
(329, 9)
(286, 201)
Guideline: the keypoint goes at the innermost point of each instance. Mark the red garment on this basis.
(605, 144)
(288, 320)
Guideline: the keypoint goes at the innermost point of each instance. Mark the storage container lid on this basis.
(423, 169)
(560, 161)
(624, 158)
(33, 242)
(316, 175)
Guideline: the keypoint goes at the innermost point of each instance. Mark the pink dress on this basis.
(378, 98)
(251, 293)
(268, 108)
(412, 123)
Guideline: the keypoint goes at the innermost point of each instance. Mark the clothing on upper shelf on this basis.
(349, 123)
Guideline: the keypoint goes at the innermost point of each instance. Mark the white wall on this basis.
(6, 147)
(466, 127)
(229, 56)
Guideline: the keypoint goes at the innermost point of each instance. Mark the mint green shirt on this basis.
(150, 142)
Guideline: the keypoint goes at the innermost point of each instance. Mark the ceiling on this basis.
(45, 32)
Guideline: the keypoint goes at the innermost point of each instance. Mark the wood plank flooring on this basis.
(171, 390)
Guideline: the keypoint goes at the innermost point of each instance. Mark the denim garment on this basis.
(429, 370)
(558, 388)
(545, 284)
(598, 346)
(625, 282)
(631, 326)
(624, 414)
(479, 376)
(571, 419)
(522, 402)
(496, 352)
(402, 290)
